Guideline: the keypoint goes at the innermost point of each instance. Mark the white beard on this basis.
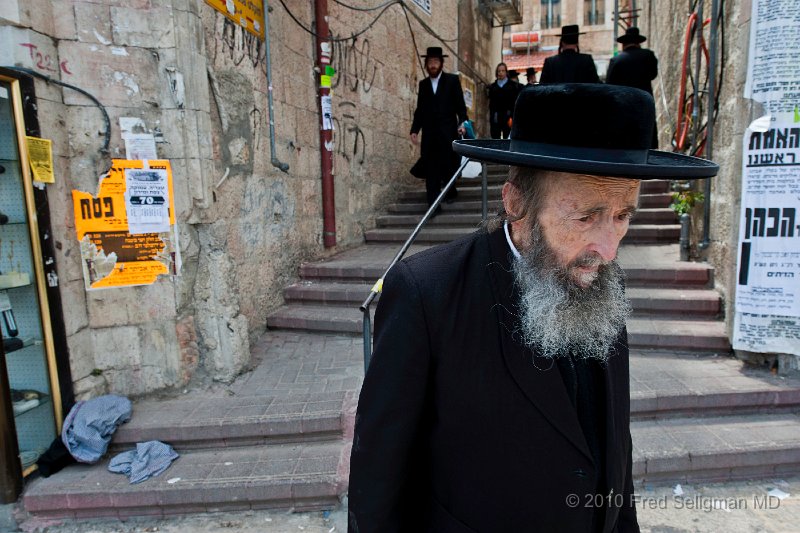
(558, 316)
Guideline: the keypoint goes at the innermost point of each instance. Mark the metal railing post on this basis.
(378, 287)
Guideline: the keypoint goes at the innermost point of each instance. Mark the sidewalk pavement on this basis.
(743, 507)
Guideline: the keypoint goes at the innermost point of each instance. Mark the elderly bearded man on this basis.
(497, 399)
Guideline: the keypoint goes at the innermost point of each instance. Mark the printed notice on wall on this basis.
(773, 71)
(127, 232)
(327, 112)
(40, 155)
(140, 146)
(768, 286)
(147, 200)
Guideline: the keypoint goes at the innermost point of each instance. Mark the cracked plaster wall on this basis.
(200, 81)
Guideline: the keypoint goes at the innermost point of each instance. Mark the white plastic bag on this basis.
(472, 170)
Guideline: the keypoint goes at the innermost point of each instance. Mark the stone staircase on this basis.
(279, 437)
(682, 313)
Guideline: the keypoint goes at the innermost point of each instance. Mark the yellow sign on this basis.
(325, 81)
(111, 254)
(249, 14)
(40, 154)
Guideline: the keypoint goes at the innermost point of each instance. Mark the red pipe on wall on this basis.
(324, 52)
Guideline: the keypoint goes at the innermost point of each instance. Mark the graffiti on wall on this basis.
(44, 62)
(238, 45)
(348, 137)
(354, 65)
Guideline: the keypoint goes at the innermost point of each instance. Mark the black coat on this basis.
(633, 67)
(459, 427)
(502, 100)
(438, 116)
(569, 67)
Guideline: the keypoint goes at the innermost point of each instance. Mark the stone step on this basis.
(642, 233)
(450, 217)
(303, 477)
(647, 186)
(472, 192)
(679, 335)
(234, 421)
(471, 203)
(669, 385)
(671, 302)
(691, 450)
(644, 265)
(675, 302)
(459, 206)
(643, 332)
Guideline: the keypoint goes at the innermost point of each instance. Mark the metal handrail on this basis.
(378, 286)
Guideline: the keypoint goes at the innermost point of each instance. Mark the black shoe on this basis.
(437, 211)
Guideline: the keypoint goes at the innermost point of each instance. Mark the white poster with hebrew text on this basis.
(768, 270)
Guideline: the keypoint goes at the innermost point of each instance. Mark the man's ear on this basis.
(511, 199)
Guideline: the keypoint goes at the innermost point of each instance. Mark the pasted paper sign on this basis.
(147, 200)
(327, 112)
(40, 154)
(140, 146)
(111, 255)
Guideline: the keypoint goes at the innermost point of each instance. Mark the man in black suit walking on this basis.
(502, 95)
(570, 65)
(634, 66)
(440, 115)
(497, 397)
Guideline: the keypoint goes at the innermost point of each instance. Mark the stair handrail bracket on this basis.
(378, 287)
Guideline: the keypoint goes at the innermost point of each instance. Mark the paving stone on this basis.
(301, 476)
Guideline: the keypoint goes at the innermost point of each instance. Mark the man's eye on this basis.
(625, 216)
(587, 218)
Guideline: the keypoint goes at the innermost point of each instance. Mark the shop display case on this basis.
(27, 340)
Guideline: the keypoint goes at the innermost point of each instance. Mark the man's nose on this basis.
(606, 241)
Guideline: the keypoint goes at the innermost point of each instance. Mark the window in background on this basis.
(551, 14)
(594, 12)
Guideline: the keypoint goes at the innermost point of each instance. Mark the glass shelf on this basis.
(42, 402)
(4, 287)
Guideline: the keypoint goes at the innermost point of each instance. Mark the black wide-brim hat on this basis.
(434, 51)
(631, 35)
(586, 128)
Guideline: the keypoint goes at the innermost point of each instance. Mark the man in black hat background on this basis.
(530, 73)
(497, 397)
(570, 65)
(440, 116)
(502, 95)
(634, 66)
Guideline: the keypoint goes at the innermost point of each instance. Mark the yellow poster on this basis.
(249, 14)
(40, 154)
(116, 248)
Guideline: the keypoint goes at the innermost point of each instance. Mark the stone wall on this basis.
(200, 82)
(665, 26)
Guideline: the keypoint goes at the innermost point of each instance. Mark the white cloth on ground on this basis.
(149, 459)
